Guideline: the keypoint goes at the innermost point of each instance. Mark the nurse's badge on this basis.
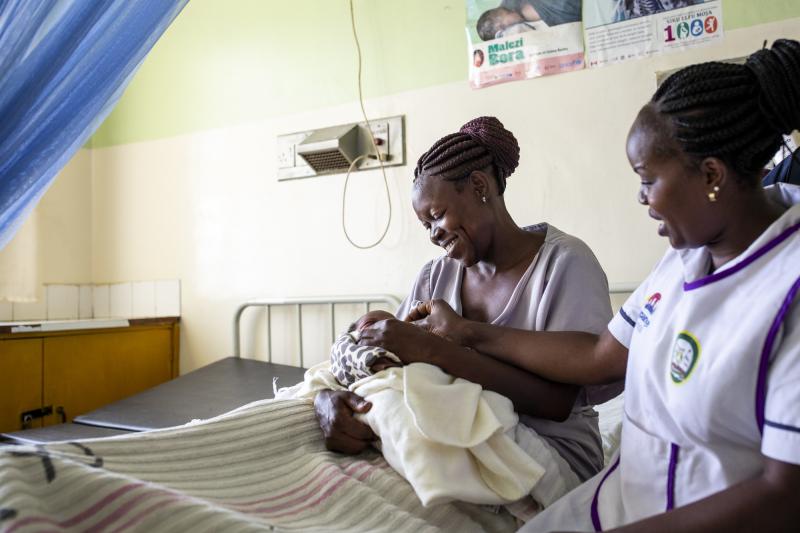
(684, 356)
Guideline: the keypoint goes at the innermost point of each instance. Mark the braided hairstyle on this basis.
(737, 113)
(480, 144)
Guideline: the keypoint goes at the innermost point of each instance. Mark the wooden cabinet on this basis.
(20, 381)
(73, 372)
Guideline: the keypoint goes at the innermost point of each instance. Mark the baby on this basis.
(501, 22)
(351, 362)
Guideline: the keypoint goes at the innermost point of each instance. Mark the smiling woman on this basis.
(499, 274)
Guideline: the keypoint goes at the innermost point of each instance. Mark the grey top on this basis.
(563, 289)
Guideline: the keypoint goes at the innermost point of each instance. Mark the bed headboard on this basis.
(367, 300)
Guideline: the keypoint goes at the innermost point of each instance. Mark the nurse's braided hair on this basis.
(737, 113)
(480, 143)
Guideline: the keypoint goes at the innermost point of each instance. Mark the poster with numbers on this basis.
(618, 30)
(513, 40)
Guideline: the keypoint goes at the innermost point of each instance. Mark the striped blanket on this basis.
(261, 467)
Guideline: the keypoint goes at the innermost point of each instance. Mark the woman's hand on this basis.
(408, 342)
(439, 318)
(343, 433)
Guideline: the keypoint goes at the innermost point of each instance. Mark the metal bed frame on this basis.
(367, 300)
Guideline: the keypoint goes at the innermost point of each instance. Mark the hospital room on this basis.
(419, 265)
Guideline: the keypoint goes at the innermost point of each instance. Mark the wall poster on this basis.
(618, 30)
(513, 40)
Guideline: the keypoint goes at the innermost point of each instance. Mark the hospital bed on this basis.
(202, 472)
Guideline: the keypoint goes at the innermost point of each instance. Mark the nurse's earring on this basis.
(483, 199)
(712, 196)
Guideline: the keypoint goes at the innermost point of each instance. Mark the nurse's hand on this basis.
(335, 413)
(411, 344)
(439, 318)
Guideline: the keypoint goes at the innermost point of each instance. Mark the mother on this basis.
(494, 272)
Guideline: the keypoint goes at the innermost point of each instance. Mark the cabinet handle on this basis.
(63, 414)
(29, 416)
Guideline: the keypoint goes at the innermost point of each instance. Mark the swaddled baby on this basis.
(473, 450)
(351, 362)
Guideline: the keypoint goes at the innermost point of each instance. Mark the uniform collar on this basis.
(696, 263)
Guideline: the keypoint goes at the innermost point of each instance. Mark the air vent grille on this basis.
(329, 161)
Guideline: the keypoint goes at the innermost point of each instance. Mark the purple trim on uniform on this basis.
(595, 514)
(673, 464)
(628, 319)
(786, 427)
(763, 365)
(785, 234)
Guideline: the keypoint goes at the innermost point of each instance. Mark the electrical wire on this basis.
(376, 154)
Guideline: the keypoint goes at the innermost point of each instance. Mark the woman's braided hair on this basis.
(737, 113)
(480, 143)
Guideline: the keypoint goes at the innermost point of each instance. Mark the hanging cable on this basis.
(376, 154)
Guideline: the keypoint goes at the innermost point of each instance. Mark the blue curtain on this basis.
(63, 66)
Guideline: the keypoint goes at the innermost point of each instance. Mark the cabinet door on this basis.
(84, 372)
(20, 381)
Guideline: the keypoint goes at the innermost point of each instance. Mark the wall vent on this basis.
(331, 150)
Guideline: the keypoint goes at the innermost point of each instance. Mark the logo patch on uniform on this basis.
(647, 312)
(685, 354)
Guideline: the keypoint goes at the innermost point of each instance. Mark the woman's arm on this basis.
(530, 394)
(335, 411)
(572, 301)
(768, 502)
(563, 356)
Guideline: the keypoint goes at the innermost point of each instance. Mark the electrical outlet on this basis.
(285, 155)
(380, 133)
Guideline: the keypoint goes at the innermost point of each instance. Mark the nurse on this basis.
(709, 344)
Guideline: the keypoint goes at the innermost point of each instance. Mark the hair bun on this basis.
(501, 143)
(778, 73)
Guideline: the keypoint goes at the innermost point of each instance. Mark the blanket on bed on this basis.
(261, 467)
(451, 439)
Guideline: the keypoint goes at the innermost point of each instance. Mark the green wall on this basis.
(226, 62)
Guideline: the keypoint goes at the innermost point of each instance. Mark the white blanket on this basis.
(451, 439)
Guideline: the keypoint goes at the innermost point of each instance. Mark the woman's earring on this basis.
(712, 196)
(483, 199)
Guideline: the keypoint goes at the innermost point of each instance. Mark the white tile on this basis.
(120, 297)
(62, 302)
(168, 298)
(143, 299)
(85, 301)
(6, 312)
(32, 310)
(101, 301)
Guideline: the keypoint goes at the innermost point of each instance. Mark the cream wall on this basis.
(206, 208)
(54, 244)
(65, 222)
